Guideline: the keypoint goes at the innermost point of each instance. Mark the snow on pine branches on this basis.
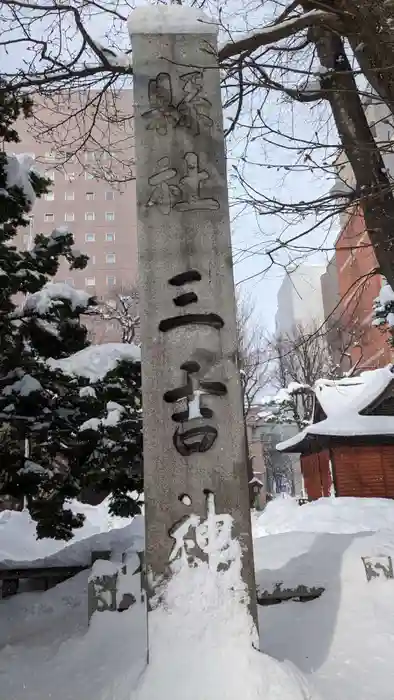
(41, 410)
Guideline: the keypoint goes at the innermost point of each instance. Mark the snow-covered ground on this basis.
(100, 531)
(342, 642)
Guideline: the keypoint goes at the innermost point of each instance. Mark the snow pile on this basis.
(17, 171)
(344, 640)
(201, 634)
(48, 651)
(25, 386)
(96, 361)
(53, 294)
(330, 515)
(297, 388)
(100, 531)
(113, 417)
(201, 638)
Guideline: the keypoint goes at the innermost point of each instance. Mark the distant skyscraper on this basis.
(300, 301)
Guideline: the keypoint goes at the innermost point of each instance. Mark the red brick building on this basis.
(359, 284)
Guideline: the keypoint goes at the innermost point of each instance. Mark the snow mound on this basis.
(96, 361)
(201, 631)
(201, 645)
(330, 515)
(48, 651)
(344, 640)
(100, 531)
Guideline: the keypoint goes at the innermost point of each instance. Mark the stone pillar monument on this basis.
(194, 438)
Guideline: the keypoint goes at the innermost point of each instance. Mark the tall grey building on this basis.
(300, 300)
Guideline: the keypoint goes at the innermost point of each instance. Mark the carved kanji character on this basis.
(190, 184)
(163, 189)
(163, 112)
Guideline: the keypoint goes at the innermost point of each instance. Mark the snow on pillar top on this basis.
(170, 19)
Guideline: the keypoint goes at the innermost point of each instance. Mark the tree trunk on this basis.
(371, 38)
(373, 185)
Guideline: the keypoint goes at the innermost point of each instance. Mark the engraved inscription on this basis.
(185, 299)
(190, 184)
(162, 111)
(194, 432)
(169, 191)
(192, 109)
(208, 539)
(163, 187)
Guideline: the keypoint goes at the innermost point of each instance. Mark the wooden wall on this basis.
(366, 471)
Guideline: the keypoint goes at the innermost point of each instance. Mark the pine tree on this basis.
(383, 311)
(30, 411)
(107, 452)
(59, 436)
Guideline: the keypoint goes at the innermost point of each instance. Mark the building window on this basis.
(49, 196)
(90, 156)
(69, 156)
(90, 237)
(69, 216)
(110, 258)
(110, 216)
(109, 196)
(69, 196)
(90, 196)
(89, 215)
(49, 217)
(92, 259)
(110, 237)
(50, 174)
(90, 281)
(89, 176)
(111, 281)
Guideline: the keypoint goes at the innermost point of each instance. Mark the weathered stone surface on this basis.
(194, 439)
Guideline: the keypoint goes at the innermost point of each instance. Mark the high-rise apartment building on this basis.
(100, 211)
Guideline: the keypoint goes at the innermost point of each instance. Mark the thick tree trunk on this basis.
(373, 184)
(371, 37)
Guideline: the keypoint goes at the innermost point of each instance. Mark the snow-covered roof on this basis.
(353, 393)
(96, 361)
(342, 401)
